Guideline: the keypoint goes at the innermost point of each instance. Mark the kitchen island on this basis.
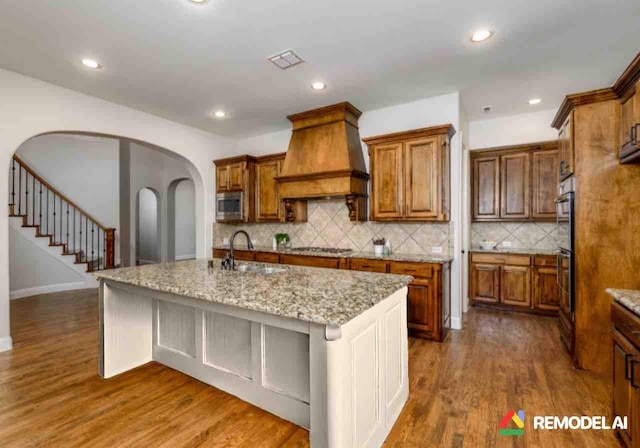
(324, 349)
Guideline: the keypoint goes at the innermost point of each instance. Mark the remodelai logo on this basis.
(517, 419)
(595, 422)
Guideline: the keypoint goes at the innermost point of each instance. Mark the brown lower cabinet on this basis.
(626, 373)
(429, 299)
(513, 281)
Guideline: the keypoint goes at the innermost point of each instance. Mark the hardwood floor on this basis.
(51, 395)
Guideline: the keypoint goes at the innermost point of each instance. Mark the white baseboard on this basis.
(185, 257)
(456, 323)
(6, 344)
(28, 292)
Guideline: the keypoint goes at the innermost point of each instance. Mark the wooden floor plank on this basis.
(51, 394)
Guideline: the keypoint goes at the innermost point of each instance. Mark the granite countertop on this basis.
(626, 297)
(318, 295)
(424, 258)
(515, 250)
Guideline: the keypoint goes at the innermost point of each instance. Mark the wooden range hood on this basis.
(325, 159)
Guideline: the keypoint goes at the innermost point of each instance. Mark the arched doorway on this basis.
(181, 225)
(148, 227)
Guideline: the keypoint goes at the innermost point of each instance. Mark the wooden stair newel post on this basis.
(110, 237)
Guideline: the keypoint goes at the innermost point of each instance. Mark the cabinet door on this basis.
(514, 187)
(422, 307)
(486, 188)
(545, 184)
(625, 395)
(236, 173)
(222, 178)
(267, 203)
(387, 181)
(485, 282)
(565, 147)
(515, 286)
(423, 178)
(546, 293)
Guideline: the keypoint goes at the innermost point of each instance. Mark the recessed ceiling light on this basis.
(200, 2)
(91, 63)
(481, 35)
(219, 114)
(318, 86)
(534, 101)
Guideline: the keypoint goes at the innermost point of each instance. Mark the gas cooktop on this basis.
(331, 250)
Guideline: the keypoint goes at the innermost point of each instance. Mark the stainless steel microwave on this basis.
(229, 206)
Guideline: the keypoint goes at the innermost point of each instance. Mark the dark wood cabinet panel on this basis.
(544, 185)
(236, 174)
(514, 186)
(486, 188)
(565, 148)
(485, 283)
(422, 306)
(366, 264)
(386, 169)
(313, 261)
(267, 257)
(410, 175)
(630, 125)
(515, 286)
(515, 183)
(268, 206)
(626, 400)
(546, 293)
(423, 178)
(222, 178)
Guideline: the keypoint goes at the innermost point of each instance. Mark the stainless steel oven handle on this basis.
(561, 200)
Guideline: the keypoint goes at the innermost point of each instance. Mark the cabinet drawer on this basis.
(514, 260)
(424, 270)
(244, 255)
(219, 253)
(318, 262)
(365, 264)
(267, 257)
(626, 322)
(549, 261)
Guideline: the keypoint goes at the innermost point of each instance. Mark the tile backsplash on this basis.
(526, 235)
(328, 225)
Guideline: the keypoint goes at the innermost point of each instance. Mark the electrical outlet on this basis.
(436, 249)
(225, 241)
(506, 244)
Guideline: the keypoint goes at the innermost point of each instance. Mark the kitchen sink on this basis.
(266, 270)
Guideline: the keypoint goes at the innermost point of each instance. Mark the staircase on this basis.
(59, 220)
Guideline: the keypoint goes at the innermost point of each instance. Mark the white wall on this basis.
(80, 167)
(31, 107)
(433, 111)
(148, 242)
(36, 272)
(185, 242)
(513, 130)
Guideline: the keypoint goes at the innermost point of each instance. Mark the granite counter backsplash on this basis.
(318, 295)
(395, 256)
(515, 250)
(328, 225)
(628, 298)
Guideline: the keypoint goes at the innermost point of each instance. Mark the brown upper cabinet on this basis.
(628, 89)
(545, 180)
(410, 175)
(516, 183)
(566, 148)
(235, 173)
(268, 206)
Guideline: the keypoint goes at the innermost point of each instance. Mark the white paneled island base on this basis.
(347, 384)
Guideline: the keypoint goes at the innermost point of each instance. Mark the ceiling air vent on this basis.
(286, 59)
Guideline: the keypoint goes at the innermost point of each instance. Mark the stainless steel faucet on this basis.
(228, 262)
